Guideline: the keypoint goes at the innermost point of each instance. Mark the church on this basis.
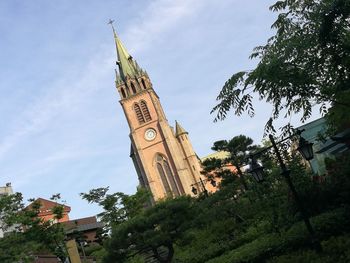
(164, 158)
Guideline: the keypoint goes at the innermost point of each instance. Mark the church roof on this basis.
(179, 129)
(126, 64)
(82, 224)
(217, 155)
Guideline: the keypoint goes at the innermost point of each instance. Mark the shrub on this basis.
(336, 249)
(274, 245)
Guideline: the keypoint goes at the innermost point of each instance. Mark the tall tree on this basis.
(154, 231)
(117, 207)
(238, 149)
(27, 234)
(306, 63)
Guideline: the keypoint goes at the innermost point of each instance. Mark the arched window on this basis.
(133, 87)
(123, 93)
(139, 115)
(145, 111)
(164, 180)
(166, 176)
(143, 83)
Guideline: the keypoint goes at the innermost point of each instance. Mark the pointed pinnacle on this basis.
(179, 129)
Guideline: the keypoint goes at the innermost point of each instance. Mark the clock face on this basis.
(150, 134)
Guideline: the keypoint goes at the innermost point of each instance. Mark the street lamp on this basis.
(194, 190)
(256, 170)
(305, 149)
(201, 182)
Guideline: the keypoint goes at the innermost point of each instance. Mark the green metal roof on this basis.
(127, 66)
(217, 155)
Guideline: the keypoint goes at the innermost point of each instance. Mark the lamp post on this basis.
(256, 170)
(201, 182)
(82, 243)
(306, 151)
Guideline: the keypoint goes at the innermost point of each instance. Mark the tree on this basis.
(28, 234)
(154, 230)
(117, 207)
(306, 63)
(238, 148)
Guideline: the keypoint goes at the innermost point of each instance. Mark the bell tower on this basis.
(164, 159)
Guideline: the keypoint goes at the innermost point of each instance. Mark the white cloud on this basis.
(60, 99)
(158, 17)
(64, 95)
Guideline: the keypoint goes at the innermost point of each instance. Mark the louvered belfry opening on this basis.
(142, 112)
(145, 111)
(139, 115)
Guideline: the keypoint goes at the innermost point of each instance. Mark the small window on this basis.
(143, 83)
(133, 87)
(159, 158)
(123, 93)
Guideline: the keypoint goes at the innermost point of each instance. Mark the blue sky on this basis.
(62, 128)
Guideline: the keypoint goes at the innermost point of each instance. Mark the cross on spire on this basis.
(110, 22)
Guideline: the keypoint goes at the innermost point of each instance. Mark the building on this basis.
(164, 158)
(46, 210)
(4, 191)
(324, 146)
(85, 229)
(80, 233)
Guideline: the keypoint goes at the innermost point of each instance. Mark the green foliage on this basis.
(305, 63)
(151, 230)
(238, 150)
(270, 245)
(96, 251)
(238, 147)
(260, 224)
(117, 207)
(336, 249)
(211, 240)
(27, 233)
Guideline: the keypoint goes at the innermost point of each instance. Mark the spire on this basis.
(125, 62)
(179, 130)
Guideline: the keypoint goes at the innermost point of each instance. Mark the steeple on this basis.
(130, 78)
(179, 130)
(127, 66)
(166, 165)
